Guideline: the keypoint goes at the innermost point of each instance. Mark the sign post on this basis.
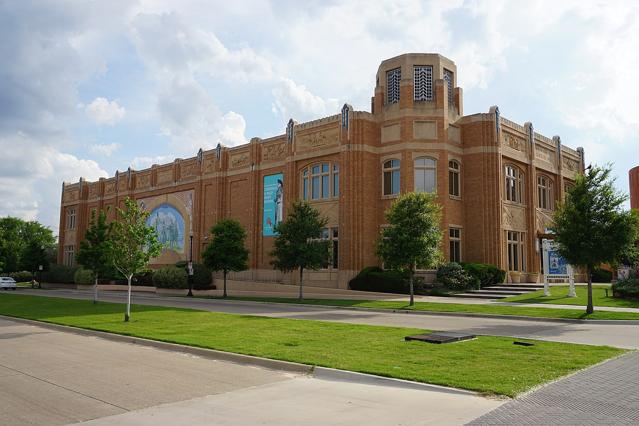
(556, 267)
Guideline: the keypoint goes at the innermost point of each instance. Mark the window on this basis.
(454, 187)
(332, 235)
(69, 255)
(513, 184)
(449, 79)
(454, 236)
(393, 78)
(545, 192)
(516, 251)
(425, 175)
(391, 177)
(318, 182)
(423, 83)
(71, 218)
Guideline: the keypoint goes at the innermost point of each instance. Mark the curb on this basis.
(320, 373)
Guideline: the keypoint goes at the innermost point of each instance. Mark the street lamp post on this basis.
(190, 293)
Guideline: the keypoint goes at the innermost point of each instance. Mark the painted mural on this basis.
(171, 216)
(169, 226)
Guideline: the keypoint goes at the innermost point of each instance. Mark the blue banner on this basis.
(273, 206)
(557, 265)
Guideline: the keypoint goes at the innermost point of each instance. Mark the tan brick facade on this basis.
(228, 182)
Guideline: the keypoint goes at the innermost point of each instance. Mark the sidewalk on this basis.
(469, 301)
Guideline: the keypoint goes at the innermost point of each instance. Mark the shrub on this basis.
(170, 277)
(202, 276)
(454, 277)
(626, 289)
(373, 278)
(83, 276)
(486, 273)
(601, 275)
(143, 279)
(21, 276)
(59, 274)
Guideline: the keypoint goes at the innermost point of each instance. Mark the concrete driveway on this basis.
(619, 335)
(49, 377)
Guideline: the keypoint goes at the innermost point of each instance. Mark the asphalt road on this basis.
(49, 377)
(619, 335)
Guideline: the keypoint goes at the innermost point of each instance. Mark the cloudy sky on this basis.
(91, 87)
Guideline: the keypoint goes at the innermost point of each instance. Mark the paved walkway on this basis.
(607, 394)
(49, 377)
(619, 335)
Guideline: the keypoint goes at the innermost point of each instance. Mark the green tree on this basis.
(94, 249)
(412, 237)
(299, 245)
(132, 244)
(24, 245)
(591, 226)
(226, 251)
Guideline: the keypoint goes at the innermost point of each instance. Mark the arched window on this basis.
(545, 192)
(454, 181)
(320, 181)
(391, 177)
(425, 174)
(514, 184)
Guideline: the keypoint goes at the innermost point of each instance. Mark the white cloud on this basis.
(103, 111)
(139, 163)
(31, 187)
(105, 150)
(293, 100)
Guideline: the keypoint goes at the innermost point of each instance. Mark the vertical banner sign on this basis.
(557, 265)
(273, 203)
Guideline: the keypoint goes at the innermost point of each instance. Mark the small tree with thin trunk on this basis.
(591, 226)
(299, 244)
(94, 249)
(132, 244)
(226, 251)
(412, 237)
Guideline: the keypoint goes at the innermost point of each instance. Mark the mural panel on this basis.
(273, 203)
(171, 216)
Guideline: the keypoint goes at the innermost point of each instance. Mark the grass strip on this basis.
(559, 296)
(484, 309)
(490, 365)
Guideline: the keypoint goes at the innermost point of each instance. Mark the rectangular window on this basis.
(315, 187)
(455, 244)
(449, 78)
(516, 250)
(335, 180)
(305, 185)
(71, 218)
(393, 78)
(423, 83)
(69, 255)
(325, 186)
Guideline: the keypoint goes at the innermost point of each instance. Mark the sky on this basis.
(91, 87)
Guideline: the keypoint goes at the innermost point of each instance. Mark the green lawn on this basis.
(492, 365)
(483, 309)
(559, 296)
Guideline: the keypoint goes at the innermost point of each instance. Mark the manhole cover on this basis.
(440, 337)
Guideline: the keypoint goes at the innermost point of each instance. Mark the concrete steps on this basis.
(501, 291)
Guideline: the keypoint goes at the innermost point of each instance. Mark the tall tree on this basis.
(226, 251)
(591, 226)
(412, 237)
(299, 244)
(94, 249)
(132, 244)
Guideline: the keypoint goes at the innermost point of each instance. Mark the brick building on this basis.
(498, 181)
(634, 187)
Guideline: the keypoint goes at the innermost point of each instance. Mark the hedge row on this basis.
(626, 289)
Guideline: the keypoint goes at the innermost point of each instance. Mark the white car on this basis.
(7, 283)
